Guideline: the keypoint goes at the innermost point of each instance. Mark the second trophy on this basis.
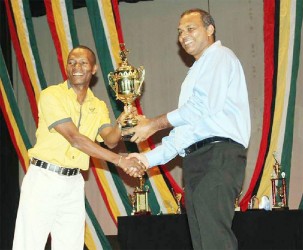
(126, 81)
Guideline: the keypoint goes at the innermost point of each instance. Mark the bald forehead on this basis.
(189, 18)
(83, 52)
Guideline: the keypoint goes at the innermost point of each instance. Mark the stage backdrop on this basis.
(265, 36)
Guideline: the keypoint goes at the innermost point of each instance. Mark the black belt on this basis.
(55, 168)
(192, 148)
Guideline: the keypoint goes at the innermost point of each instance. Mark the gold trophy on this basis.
(177, 197)
(126, 82)
(139, 199)
(278, 187)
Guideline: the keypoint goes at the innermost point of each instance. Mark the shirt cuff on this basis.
(154, 157)
(174, 118)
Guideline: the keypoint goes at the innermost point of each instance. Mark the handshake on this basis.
(140, 132)
(134, 164)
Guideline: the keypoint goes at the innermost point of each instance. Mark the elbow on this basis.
(74, 142)
(111, 145)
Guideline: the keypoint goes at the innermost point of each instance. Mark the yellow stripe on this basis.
(111, 27)
(107, 188)
(60, 29)
(167, 199)
(18, 137)
(284, 29)
(25, 47)
(88, 238)
(155, 175)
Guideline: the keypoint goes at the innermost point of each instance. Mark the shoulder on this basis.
(98, 102)
(54, 91)
(221, 51)
(61, 87)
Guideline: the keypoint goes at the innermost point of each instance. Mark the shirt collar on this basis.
(89, 93)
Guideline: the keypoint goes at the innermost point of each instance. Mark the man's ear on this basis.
(210, 30)
(95, 68)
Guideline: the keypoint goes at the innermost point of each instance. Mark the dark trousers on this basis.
(213, 177)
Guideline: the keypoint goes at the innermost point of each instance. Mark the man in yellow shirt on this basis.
(71, 119)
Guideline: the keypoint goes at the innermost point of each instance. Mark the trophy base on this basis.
(142, 213)
(127, 137)
(280, 208)
(125, 128)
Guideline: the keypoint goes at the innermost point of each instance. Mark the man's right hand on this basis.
(143, 130)
(132, 167)
(147, 127)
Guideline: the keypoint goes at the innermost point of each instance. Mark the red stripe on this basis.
(12, 133)
(173, 183)
(103, 194)
(52, 27)
(269, 27)
(22, 65)
(117, 20)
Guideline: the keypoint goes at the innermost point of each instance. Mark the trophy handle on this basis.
(111, 81)
(141, 72)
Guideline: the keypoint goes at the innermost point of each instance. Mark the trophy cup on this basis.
(177, 197)
(126, 82)
(139, 199)
(278, 187)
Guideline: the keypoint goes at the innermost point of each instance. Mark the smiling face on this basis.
(193, 35)
(81, 66)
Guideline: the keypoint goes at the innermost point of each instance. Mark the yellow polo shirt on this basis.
(58, 104)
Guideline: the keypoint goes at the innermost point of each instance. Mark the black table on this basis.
(255, 229)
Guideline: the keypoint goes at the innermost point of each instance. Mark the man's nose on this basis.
(77, 65)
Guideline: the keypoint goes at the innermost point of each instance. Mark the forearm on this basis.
(113, 137)
(91, 148)
(160, 122)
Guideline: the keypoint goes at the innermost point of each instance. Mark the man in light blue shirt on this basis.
(211, 130)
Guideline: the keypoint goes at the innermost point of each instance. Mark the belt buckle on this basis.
(34, 161)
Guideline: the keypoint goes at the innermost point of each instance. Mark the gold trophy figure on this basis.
(139, 199)
(278, 187)
(127, 82)
(178, 199)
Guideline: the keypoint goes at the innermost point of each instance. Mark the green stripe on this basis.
(12, 101)
(72, 23)
(301, 203)
(101, 236)
(288, 140)
(152, 199)
(33, 43)
(107, 67)
(102, 49)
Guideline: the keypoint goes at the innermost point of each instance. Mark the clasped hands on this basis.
(134, 164)
(143, 130)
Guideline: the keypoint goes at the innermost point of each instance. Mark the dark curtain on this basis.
(9, 167)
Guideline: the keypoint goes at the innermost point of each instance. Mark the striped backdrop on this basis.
(106, 29)
(282, 38)
(282, 34)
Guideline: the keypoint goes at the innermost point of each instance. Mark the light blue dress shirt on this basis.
(213, 102)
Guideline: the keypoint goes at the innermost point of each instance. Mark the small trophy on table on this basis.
(139, 199)
(126, 81)
(178, 197)
(278, 187)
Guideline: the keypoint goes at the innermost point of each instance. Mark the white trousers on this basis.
(50, 203)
